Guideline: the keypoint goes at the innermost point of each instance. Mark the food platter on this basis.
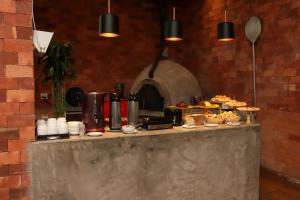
(248, 109)
(212, 106)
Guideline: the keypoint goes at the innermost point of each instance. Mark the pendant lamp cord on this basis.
(225, 11)
(33, 22)
(108, 6)
(174, 13)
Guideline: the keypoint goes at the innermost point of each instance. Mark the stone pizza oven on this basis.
(170, 84)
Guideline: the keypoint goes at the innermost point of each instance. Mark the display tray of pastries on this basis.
(235, 103)
(214, 119)
(220, 99)
(197, 117)
(222, 117)
(248, 109)
(230, 116)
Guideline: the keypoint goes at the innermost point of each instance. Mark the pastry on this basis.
(230, 116)
(248, 109)
(189, 121)
(214, 119)
(220, 98)
(235, 103)
(204, 103)
(181, 104)
(198, 118)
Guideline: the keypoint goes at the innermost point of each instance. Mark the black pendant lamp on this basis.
(173, 29)
(108, 24)
(225, 29)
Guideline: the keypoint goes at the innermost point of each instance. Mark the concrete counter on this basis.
(174, 164)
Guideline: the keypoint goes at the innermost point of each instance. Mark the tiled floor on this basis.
(273, 187)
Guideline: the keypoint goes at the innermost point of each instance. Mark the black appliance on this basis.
(156, 123)
(175, 114)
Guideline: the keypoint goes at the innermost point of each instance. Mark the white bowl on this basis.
(63, 130)
(128, 128)
(42, 132)
(74, 132)
(40, 122)
(61, 120)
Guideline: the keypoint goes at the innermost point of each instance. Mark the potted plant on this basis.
(57, 66)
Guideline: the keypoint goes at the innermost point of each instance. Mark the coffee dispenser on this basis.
(133, 110)
(115, 118)
(93, 111)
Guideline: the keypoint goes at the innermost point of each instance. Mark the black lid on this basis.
(114, 97)
(132, 97)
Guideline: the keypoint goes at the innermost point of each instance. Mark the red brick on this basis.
(7, 32)
(290, 72)
(8, 6)
(3, 121)
(9, 133)
(24, 6)
(20, 121)
(4, 170)
(18, 71)
(9, 108)
(9, 83)
(1, 18)
(10, 181)
(13, 157)
(19, 168)
(28, 133)
(26, 181)
(1, 43)
(25, 58)
(27, 108)
(4, 194)
(8, 58)
(2, 95)
(17, 45)
(24, 33)
(20, 96)
(15, 19)
(295, 79)
(25, 156)
(17, 145)
(19, 193)
(3, 145)
(26, 83)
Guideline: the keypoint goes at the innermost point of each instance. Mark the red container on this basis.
(124, 105)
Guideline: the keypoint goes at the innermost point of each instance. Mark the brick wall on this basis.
(102, 62)
(225, 68)
(16, 97)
